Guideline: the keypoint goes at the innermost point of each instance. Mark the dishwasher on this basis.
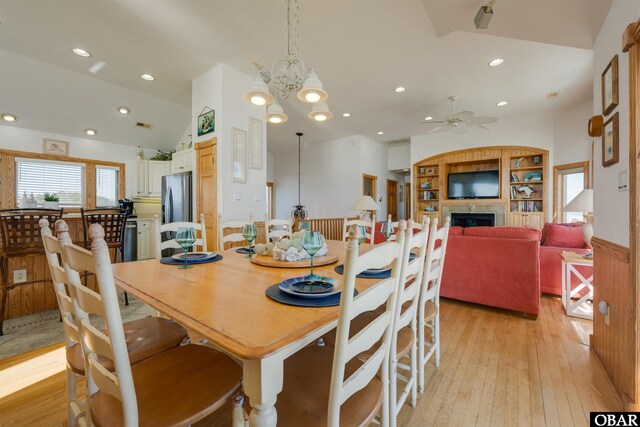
(131, 241)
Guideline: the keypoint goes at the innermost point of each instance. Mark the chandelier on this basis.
(288, 76)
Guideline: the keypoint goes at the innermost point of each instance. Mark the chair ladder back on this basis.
(172, 227)
(370, 227)
(285, 228)
(233, 236)
(379, 329)
(434, 262)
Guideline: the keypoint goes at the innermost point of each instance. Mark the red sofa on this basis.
(555, 239)
(494, 266)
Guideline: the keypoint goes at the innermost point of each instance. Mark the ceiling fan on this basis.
(460, 122)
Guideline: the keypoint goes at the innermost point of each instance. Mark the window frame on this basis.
(8, 170)
(117, 195)
(52, 163)
(558, 171)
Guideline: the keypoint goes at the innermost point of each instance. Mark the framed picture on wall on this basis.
(255, 143)
(55, 147)
(609, 81)
(239, 138)
(206, 122)
(610, 142)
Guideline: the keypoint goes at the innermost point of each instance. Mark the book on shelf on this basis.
(527, 206)
(514, 177)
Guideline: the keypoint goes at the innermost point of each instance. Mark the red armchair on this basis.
(557, 238)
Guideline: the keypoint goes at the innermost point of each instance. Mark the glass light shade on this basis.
(258, 93)
(320, 112)
(275, 114)
(312, 91)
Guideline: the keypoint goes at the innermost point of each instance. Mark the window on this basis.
(66, 180)
(568, 181)
(107, 182)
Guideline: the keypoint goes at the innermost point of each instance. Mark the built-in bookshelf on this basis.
(428, 189)
(526, 181)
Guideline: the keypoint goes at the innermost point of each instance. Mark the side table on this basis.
(578, 300)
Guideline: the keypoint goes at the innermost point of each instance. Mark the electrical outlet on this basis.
(19, 276)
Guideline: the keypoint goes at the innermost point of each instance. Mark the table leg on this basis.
(262, 382)
(564, 285)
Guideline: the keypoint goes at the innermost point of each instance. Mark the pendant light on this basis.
(299, 213)
(275, 113)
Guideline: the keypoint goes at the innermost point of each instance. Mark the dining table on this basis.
(225, 302)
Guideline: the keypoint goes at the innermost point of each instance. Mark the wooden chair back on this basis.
(394, 226)
(20, 230)
(159, 229)
(370, 227)
(279, 228)
(112, 346)
(233, 236)
(113, 222)
(383, 292)
(434, 262)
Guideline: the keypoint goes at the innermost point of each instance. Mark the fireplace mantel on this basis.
(495, 207)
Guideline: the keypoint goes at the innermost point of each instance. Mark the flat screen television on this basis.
(474, 185)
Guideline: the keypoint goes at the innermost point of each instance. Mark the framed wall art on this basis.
(206, 121)
(610, 141)
(609, 81)
(255, 143)
(239, 138)
(55, 147)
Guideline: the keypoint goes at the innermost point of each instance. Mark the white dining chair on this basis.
(329, 386)
(394, 226)
(225, 236)
(370, 227)
(179, 386)
(429, 304)
(160, 230)
(145, 337)
(278, 228)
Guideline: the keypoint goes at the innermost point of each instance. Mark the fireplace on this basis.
(473, 219)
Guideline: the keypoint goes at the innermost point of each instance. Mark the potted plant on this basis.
(51, 201)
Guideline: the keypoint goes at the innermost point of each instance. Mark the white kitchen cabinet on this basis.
(157, 169)
(137, 178)
(182, 161)
(145, 243)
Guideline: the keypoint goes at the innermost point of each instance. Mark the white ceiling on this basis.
(360, 49)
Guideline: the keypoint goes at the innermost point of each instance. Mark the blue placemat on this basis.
(367, 274)
(245, 251)
(172, 261)
(276, 294)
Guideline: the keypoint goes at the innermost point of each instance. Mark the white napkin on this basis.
(293, 255)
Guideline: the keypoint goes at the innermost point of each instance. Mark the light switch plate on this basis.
(623, 180)
(19, 276)
(237, 197)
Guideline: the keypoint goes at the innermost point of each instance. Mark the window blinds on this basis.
(66, 180)
(106, 186)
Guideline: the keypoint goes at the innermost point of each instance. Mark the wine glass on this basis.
(185, 237)
(249, 232)
(363, 235)
(312, 242)
(387, 230)
(304, 226)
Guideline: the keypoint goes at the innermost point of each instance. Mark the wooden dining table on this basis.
(225, 302)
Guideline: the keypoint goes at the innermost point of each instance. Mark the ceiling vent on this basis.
(144, 125)
(552, 95)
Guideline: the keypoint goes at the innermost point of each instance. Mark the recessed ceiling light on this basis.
(8, 117)
(502, 103)
(400, 89)
(346, 115)
(496, 62)
(380, 133)
(428, 118)
(147, 77)
(81, 52)
(124, 110)
(90, 132)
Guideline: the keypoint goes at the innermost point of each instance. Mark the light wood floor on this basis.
(497, 369)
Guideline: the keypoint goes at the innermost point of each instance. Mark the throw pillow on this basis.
(564, 236)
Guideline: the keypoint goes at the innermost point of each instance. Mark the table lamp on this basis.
(364, 204)
(583, 202)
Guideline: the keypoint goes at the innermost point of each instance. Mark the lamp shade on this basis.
(258, 92)
(583, 202)
(275, 113)
(320, 112)
(312, 91)
(365, 203)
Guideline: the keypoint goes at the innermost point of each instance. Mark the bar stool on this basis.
(20, 237)
(113, 221)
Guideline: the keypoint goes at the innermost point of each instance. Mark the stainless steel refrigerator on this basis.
(177, 201)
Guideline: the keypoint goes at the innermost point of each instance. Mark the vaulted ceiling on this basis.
(361, 50)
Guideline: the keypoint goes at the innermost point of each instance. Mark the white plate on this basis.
(195, 256)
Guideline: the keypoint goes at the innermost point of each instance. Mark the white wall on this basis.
(399, 156)
(611, 208)
(571, 143)
(222, 89)
(270, 167)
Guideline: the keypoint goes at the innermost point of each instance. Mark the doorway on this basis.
(270, 199)
(407, 200)
(568, 181)
(392, 199)
(369, 185)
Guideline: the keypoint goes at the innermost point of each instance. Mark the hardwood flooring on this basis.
(497, 369)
